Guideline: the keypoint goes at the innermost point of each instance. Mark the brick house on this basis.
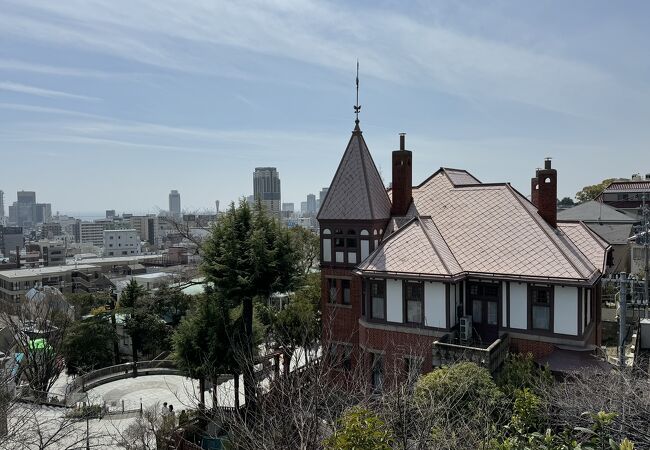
(417, 275)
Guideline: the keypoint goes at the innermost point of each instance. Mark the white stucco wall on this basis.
(394, 305)
(565, 313)
(518, 305)
(452, 305)
(435, 313)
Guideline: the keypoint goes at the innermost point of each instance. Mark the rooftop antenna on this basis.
(357, 107)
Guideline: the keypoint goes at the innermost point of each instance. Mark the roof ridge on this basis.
(365, 175)
(433, 223)
(442, 261)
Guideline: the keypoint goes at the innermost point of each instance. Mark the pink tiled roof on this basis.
(589, 243)
(460, 177)
(357, 191)
(628, 186)
(415, 249)
(484, 229)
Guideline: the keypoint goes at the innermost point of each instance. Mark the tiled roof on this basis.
(416, 248)
(357, 191)
(460, 177)
(614, 234)
(594, 211)
(589, 244)
(628, 186)
(485, 229)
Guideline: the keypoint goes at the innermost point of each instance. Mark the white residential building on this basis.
(122, 243)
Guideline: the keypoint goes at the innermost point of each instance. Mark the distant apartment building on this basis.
(174, 203)
(287, 207)
(2, 204)
(110, 213)
(91, 232)
(266, 188)
(25, 212)
(10, 238)
(50, 230)
(52, 252)
(121, 243)
(145, 226)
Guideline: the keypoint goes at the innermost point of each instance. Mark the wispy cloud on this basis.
(40, 92)
(24, 66)
(392, 46)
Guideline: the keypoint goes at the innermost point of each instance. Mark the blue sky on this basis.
(110, 104)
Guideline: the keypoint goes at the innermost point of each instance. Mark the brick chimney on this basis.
(402, 186)
(547, 193)
(534, 190)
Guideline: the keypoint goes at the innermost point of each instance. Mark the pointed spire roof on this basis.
(357, 191)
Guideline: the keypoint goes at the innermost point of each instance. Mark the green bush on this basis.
(466, 387)
(360, 429)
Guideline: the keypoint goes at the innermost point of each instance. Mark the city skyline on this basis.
(207, 104)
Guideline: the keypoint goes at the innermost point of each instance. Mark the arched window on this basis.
(364, 233)
(327, 231)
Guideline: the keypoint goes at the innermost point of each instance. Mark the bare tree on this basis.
(38, 323)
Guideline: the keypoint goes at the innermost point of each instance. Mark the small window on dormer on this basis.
(548, 180)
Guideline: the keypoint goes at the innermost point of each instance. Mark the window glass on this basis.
(492, 317)
(377, 378)
(541, 317)
(331, 289)
(345, 285)
(477, 311)
(540, 308)
(414, 297)
(378, 299)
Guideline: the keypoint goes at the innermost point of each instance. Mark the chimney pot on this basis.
(547, 163)
(402, 141)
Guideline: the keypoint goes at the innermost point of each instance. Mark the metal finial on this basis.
(357, 107)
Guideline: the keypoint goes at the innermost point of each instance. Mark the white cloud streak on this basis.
(195, 36)
(40, 92)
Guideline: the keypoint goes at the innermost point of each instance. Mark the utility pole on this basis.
(646, 242)
(622, 315)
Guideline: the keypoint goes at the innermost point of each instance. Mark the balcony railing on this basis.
(490, 357)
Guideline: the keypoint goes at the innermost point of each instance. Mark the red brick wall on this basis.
(340, 323)
(395, 347)
(537, 348)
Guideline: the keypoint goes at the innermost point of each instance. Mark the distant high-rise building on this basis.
(304, 209)
(216, 204)
(266, 188)
(28, 197)
(287, 207)
(321, 196)
(311, 204)
(110, 213)
(250, 200)
(25, 212)
(2, 204)
(174, 203)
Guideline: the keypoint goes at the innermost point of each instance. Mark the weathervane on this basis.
(357, 107)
